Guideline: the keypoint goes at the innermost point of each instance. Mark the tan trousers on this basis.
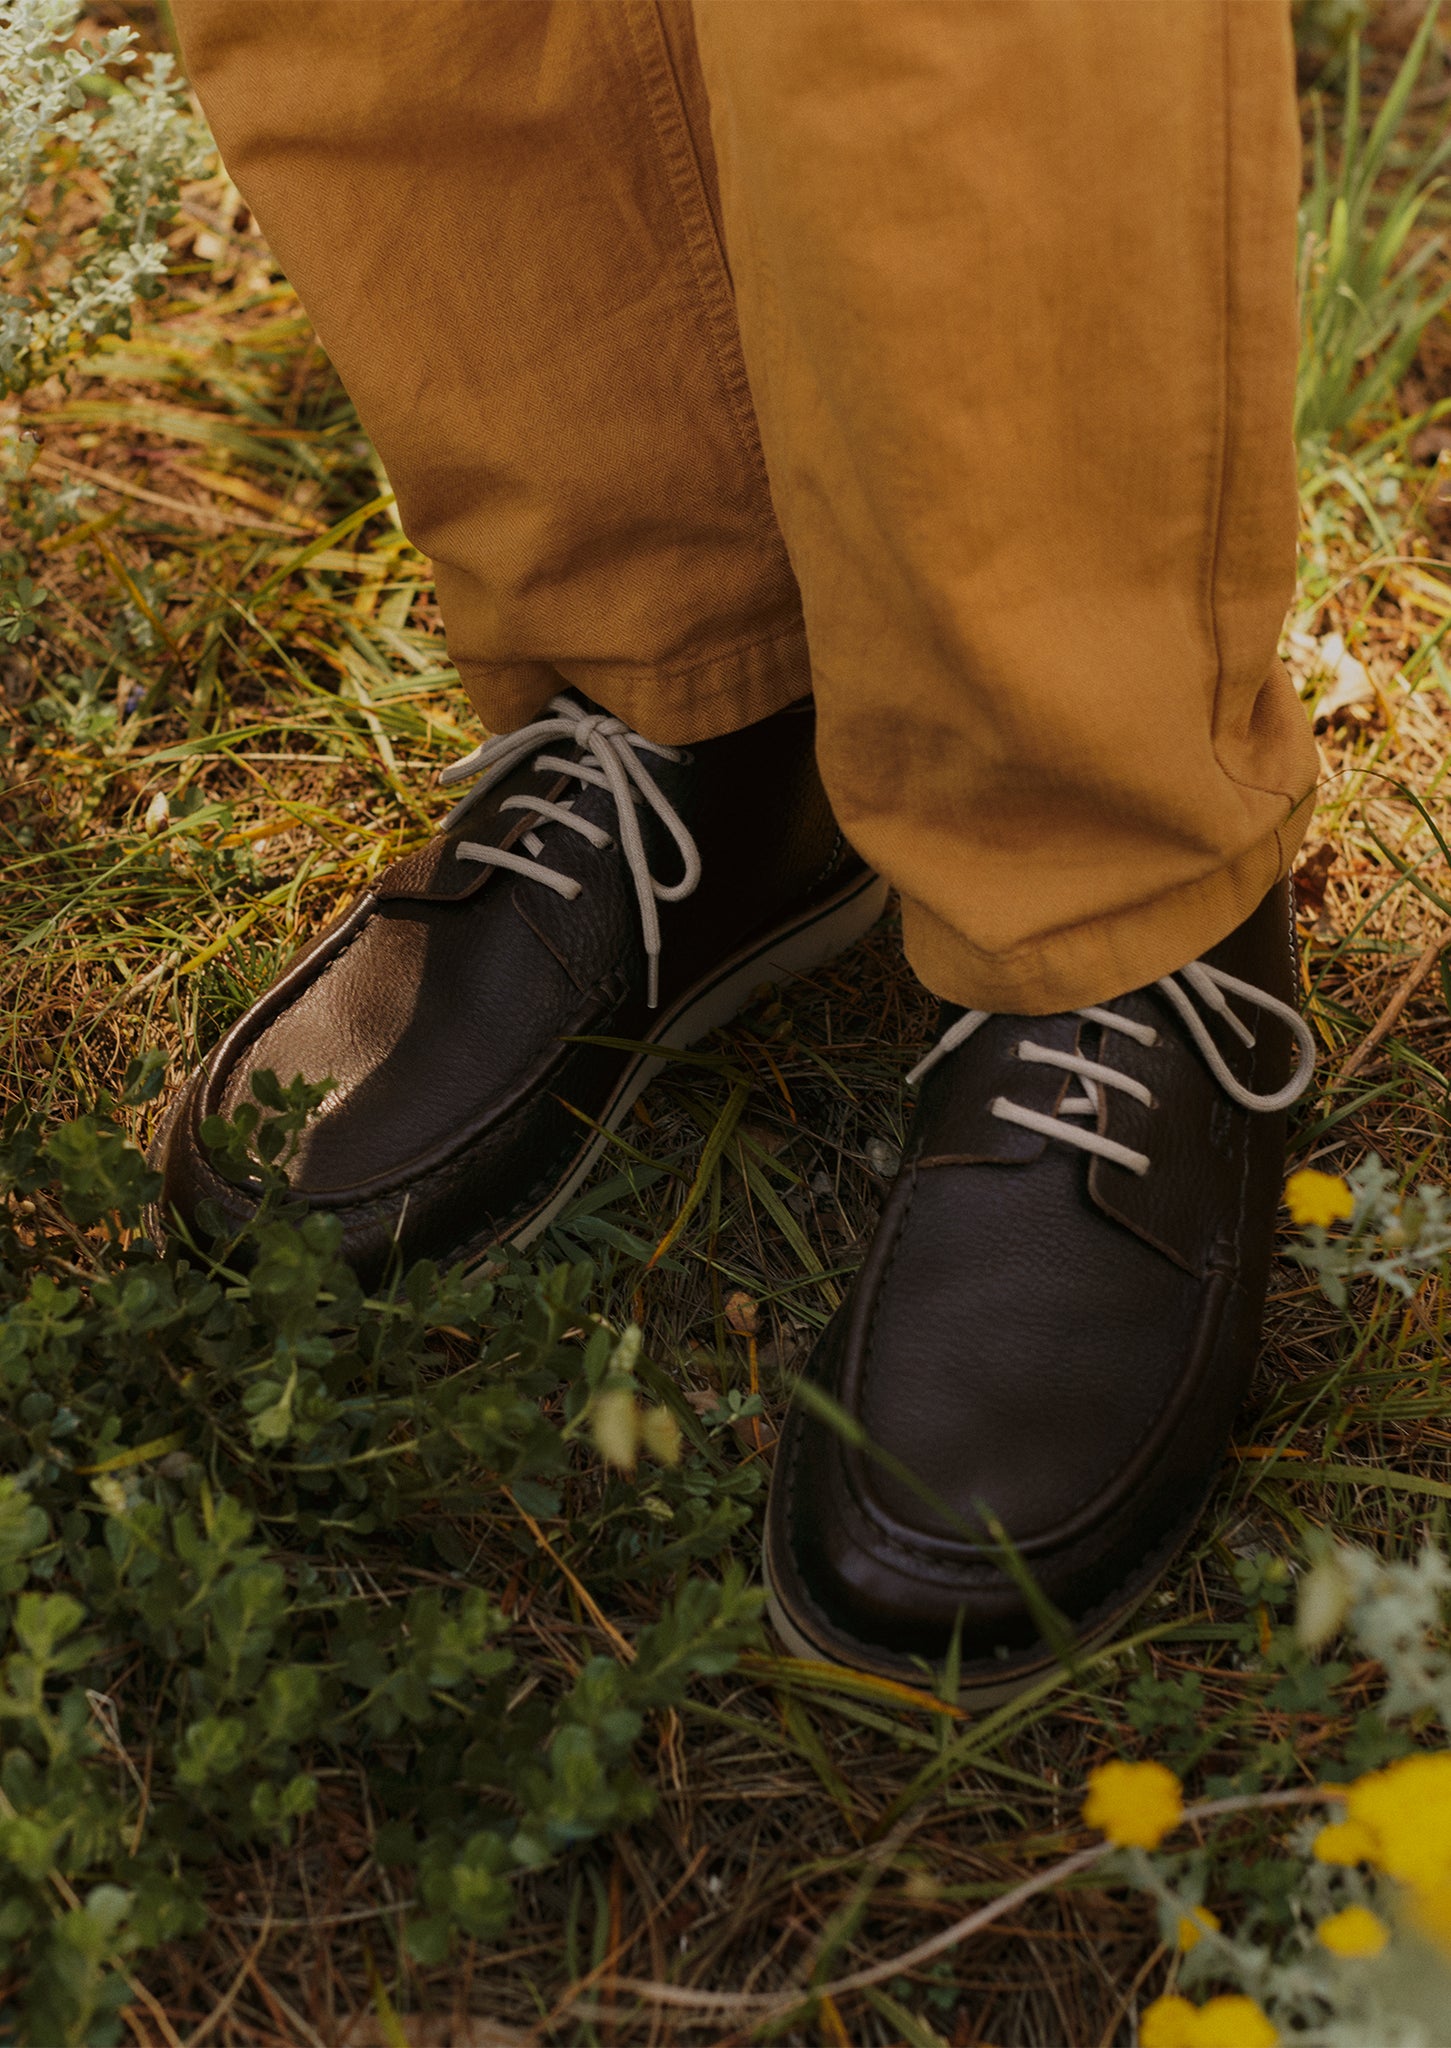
(932, 355)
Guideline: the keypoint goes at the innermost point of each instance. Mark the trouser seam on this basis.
(1219, 490)
(707, 258)
(1215, 523)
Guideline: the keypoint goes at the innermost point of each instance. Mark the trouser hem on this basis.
(676, 706)
(1107, 956)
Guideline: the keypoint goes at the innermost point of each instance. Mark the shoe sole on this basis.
(793, 950)
(984, 1688)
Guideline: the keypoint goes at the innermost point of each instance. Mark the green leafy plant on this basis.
(258, 1527)
(1365, 301)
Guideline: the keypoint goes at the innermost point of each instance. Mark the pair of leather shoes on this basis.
(1027, 1395)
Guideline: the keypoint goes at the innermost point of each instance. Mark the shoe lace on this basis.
(612, 761)
(1192, 985)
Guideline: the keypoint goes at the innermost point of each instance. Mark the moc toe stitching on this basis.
(498, 1121)
(990, 1657)
(951, 1560)
(1100, 1507)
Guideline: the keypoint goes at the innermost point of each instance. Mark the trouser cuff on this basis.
(1108, 956)
(677, 706)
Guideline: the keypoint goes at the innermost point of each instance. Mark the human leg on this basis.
(502, 218)
(1056, 720)
(501, 215)
(1016, 287)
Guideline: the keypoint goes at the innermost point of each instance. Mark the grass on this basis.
(229, 723)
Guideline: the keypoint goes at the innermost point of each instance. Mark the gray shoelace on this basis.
(1198, 980)
(612, 761)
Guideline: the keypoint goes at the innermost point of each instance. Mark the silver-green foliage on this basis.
(1395, 1237)
(1364, 300)
(62, 113)
(1393, 1612)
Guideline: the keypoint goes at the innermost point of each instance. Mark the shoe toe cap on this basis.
(879, 1574)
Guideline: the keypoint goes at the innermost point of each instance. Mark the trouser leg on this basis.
(1016, 285)
(1014, 280)
(500, 222)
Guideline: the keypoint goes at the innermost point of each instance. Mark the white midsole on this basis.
(795, 951)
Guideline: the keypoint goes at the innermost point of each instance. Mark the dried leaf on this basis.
(1350, 684)
(742, 1314)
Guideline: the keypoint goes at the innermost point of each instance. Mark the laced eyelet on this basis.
(1203, 984)
(611, 759)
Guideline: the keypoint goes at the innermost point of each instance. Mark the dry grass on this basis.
(251, 738)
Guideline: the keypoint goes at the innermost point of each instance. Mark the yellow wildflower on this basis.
(1168, 2023)
(1233, 2022)
(1431, 1914)
(1321, 1198)
(1406, 1811)
(1226, 2022)
(1135, 1805)
(1354, 1932)
(1194, 1926)
(1344, 1841)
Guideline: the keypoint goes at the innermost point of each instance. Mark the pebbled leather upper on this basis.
(441, 1005)
(1039, 1334)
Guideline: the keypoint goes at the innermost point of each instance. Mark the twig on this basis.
(1389, 1017)
(280, 2008)
(776, 2003)
(627, 1940)
(153, 2005)
(129, 990)
(362, 1913)
(122, 487)
(585, 1598)
(229, 1997)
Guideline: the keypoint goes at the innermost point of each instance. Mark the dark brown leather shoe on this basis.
(1053, 1328)
(591, 885)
